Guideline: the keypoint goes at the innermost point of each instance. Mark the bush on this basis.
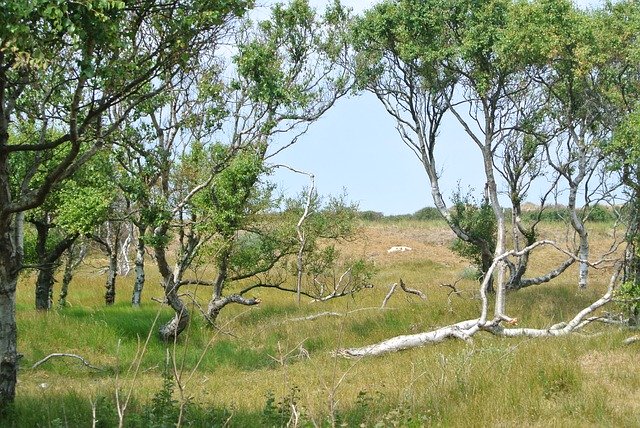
(478, 221)
(600, 214)
(427, 213)
(370, 215)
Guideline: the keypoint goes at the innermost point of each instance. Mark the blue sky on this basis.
(355, 147)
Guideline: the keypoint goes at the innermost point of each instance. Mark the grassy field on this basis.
(262, 362)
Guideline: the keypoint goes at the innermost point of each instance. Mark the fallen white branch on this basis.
(462, 330)
(58, 354)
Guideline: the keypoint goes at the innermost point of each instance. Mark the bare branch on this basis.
(59, 354)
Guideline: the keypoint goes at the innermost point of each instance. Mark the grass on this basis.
(260, 361)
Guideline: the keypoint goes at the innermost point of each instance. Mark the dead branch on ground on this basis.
(466, 329)
(61, 354)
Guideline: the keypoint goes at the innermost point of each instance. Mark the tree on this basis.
(286, 75)
(617, 29)
(533, 90)
(64, 65)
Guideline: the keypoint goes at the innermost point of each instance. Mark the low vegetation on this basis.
(273, 364)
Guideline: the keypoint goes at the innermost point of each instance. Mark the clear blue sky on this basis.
(355, 147)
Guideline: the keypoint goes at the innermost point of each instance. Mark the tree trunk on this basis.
(492, 196)
(578, 226)
(44, 287)
(139, 268)
(66, 280)
(11, 254)
(171, 283)
(170, 331)
(110, 293)
(8, 335)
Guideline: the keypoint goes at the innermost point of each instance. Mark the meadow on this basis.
(275, 365)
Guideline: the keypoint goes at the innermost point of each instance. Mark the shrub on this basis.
(427, 213)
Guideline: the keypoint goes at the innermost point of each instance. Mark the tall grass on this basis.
(264, 362)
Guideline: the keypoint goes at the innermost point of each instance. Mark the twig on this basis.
(405, 289)
(412, 290)
(315, 316)
(59, 354)
(332, 314)
(388, 296)
(454, 289)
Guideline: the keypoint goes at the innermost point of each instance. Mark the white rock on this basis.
(398, 249)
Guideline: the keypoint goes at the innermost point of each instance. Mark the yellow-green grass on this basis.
(583, 380)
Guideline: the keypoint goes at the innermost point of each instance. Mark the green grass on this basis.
(259, 361)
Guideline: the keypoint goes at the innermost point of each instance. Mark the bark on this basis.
(66, 280)
(492, 193)
(11, 256)
(578, 225)
(462, 330)
(48, 260)
(110, 286)
(8, 334)
(44, 287)
(75, 256)
(170, 331)
(216, 305)
(139, 268)
(171, 283)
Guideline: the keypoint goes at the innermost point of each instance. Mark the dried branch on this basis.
(412, 290)
(405, 289)
(59, 354)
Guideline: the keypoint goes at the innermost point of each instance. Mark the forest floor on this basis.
(268, 366)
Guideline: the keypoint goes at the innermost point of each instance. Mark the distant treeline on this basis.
(555, 213)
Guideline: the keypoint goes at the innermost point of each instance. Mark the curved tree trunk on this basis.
(216, 305)
(171, 284)
(170, 331)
